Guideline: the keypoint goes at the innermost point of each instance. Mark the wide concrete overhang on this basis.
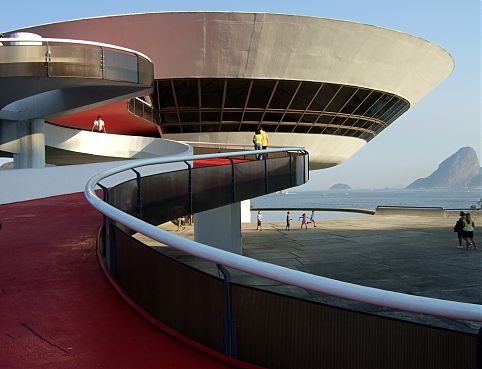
(271, 46)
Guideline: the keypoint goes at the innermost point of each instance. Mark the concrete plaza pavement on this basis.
(410, 254)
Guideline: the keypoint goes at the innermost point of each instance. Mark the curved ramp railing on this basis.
(263, 323)
(58, 57)
(369, 295)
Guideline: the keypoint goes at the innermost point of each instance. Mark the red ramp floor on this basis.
(57, 309)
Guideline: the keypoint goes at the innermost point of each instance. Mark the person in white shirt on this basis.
(259, 218)
(99, 125)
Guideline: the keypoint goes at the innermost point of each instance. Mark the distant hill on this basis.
(340, 186)
(7, 165)
(462, 169)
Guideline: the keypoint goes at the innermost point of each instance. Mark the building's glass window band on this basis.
(227, 105)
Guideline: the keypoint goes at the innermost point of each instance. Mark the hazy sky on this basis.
(442, 122)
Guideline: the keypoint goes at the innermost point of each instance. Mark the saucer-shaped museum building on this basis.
(328, 85)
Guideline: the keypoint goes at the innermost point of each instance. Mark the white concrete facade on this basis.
(271, 46)
(325, 150)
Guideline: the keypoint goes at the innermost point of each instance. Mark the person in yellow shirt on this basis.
(257, 140)
(264, 138)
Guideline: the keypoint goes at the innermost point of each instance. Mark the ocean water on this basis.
(362, 199)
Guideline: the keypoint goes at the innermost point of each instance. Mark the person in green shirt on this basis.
(258, 143)
(468, 232)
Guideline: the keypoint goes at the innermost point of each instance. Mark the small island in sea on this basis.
(340, 187)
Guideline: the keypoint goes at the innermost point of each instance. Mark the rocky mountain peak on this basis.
(462, 169)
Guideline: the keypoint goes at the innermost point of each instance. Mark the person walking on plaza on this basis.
(312, 218)
(288, 221)
(258, 141)
(99, 125)
(264, 139)
(459, 228)
(304, 221)
(468, 232)
(259, 218)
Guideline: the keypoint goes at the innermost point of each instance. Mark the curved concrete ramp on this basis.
(73, 146)
(54, 77)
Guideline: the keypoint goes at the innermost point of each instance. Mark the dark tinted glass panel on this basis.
(378, 105)
(236, 93)
(191, 128)
(163, 97)
(341, 98)
(363, 123)
(250, 117)
(209, 127)
(369, 101)
(304, 95)
(301, 129)
(211, 116)
(186, 92)
(397, 114)
(292, 117)
(324, 119)
(338, 121)
(324, 96)
(231, 127)
(309, 118)
(388, 109)
(329, 130)
(315, 129)
(284, 93)
(167, 117)
(212, 93)
(246, 127)
(284, 127)
(355, 101)
(189, 117)
(232, 116)
(260, 93)
(272, 117)
(349, 122)
(171, 129)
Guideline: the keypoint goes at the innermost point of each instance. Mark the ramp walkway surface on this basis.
(57, 309)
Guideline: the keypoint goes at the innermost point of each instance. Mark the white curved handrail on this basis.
(374, 296)
(71, 41)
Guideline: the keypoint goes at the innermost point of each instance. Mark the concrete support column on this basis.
(246, 211)
(31, 144)
(220, 228)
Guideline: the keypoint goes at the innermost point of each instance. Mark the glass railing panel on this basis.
(165, 196)
(146, 72)
(185, 299)
(278, 174)
(22, 60)
(75, 61)
(211, 187)
(120, 67)
(249, 179)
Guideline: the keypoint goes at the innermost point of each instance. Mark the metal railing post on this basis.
(139, 193)
(110, 249)
(479, 348)
(265, 174)
(291, 170)
(233, 181)
(229, 325)
(105, 197)
(48, 59)
(189, 186)
(102, 65)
